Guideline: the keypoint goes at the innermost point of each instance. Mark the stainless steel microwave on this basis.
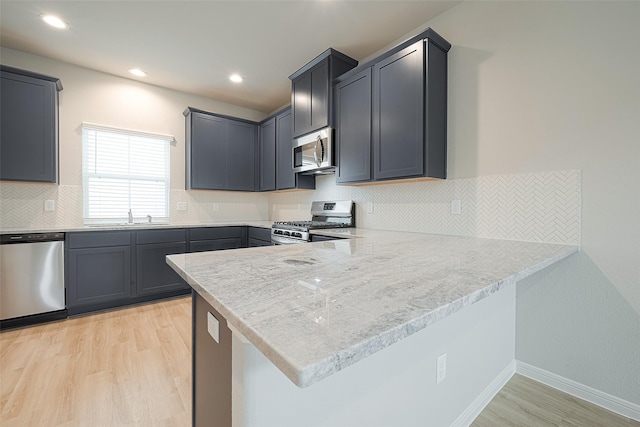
(313, 153)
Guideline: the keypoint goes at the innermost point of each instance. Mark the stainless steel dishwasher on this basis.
(31, 278)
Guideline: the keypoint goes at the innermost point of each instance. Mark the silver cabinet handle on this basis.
(318, 157)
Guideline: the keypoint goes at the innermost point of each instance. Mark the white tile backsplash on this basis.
(539, 207)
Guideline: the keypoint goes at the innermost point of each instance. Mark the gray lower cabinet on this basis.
(319, 238)
(153, 274)
(107, 269)
(216, 238)
(29, 131)
(259, 237)
(391, 114)
(221, 152)
(98, 270)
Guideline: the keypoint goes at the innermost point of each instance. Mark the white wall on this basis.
(538, 86)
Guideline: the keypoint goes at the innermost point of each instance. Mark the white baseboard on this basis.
(597, 397)
(466, 418)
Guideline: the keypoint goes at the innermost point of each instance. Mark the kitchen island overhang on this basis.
(314, 309)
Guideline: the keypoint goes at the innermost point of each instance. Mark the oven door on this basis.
(314, 152)
(278, 237)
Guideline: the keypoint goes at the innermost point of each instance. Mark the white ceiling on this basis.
(193, 46)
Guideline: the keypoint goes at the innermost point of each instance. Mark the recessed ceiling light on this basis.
(235, 78)
(54, 21)
(137, 72)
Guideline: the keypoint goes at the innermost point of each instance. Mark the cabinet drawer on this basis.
(161, 236)
(210, 233)
(260, 233)
(97, 239)
(215, 244)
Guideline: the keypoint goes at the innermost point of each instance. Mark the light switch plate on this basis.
(213, 327)
(49, 205)
(182, 206)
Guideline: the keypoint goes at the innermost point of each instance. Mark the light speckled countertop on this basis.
(316, 308)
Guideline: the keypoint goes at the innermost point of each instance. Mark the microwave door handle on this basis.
(318, 145)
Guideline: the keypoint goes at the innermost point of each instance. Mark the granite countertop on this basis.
(313, 309)
(140, 226)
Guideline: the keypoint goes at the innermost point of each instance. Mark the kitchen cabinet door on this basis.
(241, 156)
(153, 274)
(286, 178)
(353, 128)
(398, 114)
(96, 276)
(311, 91)
(259, 237)
(268, 155)
(29, 131)
(206, 152)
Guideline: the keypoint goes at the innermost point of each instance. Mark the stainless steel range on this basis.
(324, 214)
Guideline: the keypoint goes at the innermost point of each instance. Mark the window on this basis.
(124, 170)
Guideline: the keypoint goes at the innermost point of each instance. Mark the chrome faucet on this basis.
(130, 217)
(149, 218)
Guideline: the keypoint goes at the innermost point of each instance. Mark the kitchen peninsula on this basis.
(347, 332)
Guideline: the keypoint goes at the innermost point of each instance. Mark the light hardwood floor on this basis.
(127, 367)
(525, 402)
(132, 367)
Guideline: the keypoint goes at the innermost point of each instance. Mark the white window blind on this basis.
(124, 170)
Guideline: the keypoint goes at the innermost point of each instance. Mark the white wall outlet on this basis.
(182, 206)
(441, 368)
(298, 207)
(369, 207)
(456, 207)
(49, 205)
(216, 206)
(213, 327)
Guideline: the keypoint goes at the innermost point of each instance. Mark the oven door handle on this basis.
(282, 240)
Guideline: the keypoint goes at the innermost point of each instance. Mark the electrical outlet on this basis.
(369, 207)
(216, 206)
(182, 206)
(456, 207)
(298, 207)
(49, 205)
(213, 327)
(441, 368)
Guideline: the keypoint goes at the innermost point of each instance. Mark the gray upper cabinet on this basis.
(221, 152)
(276, 155)
(353, 116)
(311, 91)
(398, 114)
(404, 91)
(29, 131)
(241, 155)
(286, 178)
(268, 155)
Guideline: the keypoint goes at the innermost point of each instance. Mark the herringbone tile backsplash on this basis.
(540, 207)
